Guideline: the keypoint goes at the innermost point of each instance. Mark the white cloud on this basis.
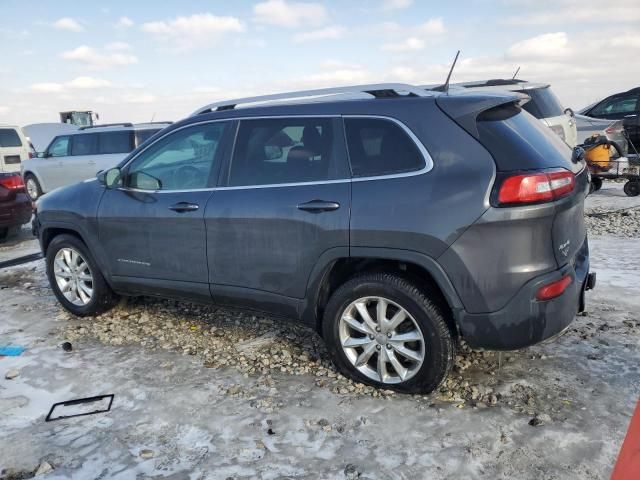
(289, 14)
(139, 98)
(185, 33)
(414, 38)
(99, 60)
(117, 46)
(68, 23)
(327, 33)
(396, 4)
(47, 87)
(577, 11)
(4, 110)
(88, 83)
(78, 83)
(124, 22)
(547, 45)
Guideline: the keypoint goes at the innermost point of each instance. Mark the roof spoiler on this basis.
(464, 109)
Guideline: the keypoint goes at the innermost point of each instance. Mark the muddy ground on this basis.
(207, 393)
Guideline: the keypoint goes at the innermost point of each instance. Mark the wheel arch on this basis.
(424, 271)
(34, 174)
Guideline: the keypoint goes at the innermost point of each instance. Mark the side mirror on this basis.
(41, 154)
(111, 178)
(568, 111)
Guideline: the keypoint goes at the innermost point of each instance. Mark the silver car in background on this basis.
(612, 129)
(76, 156)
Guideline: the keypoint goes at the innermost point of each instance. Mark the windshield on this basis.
(543, 103)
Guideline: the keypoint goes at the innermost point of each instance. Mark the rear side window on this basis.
(290, 150)
(115, 142)
(85, 144)
(144, 135)
(543, 103)
(9, 138)
(380, 147)
(625, 104)
(517, 141)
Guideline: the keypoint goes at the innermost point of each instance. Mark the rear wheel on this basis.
(596, 182)
(632, 188)
(384, 331)
(33, 186)
(76, 279)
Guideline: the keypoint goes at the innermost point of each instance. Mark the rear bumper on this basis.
(525, 321)
(15, 212)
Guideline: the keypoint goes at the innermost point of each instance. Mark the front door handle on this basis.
(182, 207)
(317, 206)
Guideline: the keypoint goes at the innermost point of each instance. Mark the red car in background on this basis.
(15, 204)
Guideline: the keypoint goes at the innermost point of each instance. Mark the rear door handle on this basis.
(317, 206)
(182, 207)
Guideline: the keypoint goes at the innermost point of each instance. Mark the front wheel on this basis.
(75, 278)
(33, 186)
(384, 331)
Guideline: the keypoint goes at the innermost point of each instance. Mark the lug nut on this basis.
(377, 329)
(371, 337)
(388, 346)
(377, 347)
(389, 335)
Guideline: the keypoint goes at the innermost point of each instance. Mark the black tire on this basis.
(439, 351)
(632, 188)
(4, 233)
(8, 232)
(597, 183)
(102, 299)
(29, 177)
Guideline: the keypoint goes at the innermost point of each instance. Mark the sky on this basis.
(141, 60)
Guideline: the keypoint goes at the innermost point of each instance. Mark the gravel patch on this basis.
(621, 223)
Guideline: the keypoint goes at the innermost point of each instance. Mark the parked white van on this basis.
(14, 148)
(77, 156)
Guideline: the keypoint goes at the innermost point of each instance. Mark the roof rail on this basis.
(379, 90)
(168, 122)
(125, 124)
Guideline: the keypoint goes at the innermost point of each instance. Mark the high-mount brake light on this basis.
(536, 187)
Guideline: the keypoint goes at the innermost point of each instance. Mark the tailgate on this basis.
(568, 230)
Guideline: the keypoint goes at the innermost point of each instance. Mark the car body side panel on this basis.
(427, 212)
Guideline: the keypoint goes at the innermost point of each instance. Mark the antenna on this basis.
(514, 75)
(445, 87)
(152, 117)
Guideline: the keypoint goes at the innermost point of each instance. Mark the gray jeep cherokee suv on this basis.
(392, 220)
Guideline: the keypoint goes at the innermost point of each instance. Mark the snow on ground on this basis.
(208, 393)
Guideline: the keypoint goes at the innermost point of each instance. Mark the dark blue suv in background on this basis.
(393, 220)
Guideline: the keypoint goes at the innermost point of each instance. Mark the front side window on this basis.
(183, 160)
(115, 142)
(9, 138)
(284, 150)
(380, 147)
(85, 144)
(59, 147)
(626, 104)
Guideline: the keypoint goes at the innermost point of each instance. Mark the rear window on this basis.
(115, 142)
(517, 141)
(9, 138)
(543, 103)
(380, 147)
(144, 135)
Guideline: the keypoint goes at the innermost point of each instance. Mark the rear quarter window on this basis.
(9, 138)
(543, 103)
(115, 142)
(380, 147)
(517, 141)
(144, 135)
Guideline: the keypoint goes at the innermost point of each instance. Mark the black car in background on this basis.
(15, 204)
(624, 106)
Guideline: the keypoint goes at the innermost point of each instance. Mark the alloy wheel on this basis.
(73, 276)
(32, 188)
(381, 340)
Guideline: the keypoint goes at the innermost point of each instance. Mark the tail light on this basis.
(13, 182)
(539, 187)
(31, 155)
(554, 289)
